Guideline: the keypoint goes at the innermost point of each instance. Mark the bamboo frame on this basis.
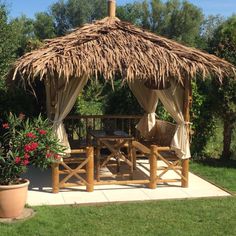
(186, 109)
(172, 162)
(69, 172)
(153, 167)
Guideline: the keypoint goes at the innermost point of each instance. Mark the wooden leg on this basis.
(131, 158)
(185, 171)
(134, 156)
(98, 162)
(153, 167)
(55, 177)
(90, 169)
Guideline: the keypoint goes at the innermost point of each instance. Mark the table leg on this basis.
(131, 157)
(98, 160)
(118, 163)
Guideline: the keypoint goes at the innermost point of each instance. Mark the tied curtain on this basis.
(61, 97)
(172, 99)
(148, 100)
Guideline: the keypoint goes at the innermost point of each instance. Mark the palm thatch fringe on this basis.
(110, 46)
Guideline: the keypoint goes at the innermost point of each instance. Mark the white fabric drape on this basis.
(60, 100)
(148, 100)
(172, 99)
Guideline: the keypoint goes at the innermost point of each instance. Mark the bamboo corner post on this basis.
(187, 102)
(153, 167)
(185, 171)
(111, 8)
(55, 177)
(90, 169)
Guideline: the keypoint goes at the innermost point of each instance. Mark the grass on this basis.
(180, 217)
(209, 216)
(217, 171)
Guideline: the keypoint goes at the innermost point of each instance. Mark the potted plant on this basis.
(23, 142)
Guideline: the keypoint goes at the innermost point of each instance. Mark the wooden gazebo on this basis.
(147, 62)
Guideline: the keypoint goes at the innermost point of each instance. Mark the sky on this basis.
(30, 7)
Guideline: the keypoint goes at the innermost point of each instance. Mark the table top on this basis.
(101, 134)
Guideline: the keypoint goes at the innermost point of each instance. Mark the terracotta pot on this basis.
(13, 199)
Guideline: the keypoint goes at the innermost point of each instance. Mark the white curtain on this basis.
(148, 100)
(60, 99)
(173, 99)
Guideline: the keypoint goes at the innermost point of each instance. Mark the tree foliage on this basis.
(73, 13)
(8, 44)
(44, 27)
(179, 20)
(223, 44)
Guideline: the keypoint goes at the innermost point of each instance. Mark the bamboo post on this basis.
(187, 101)
(153, 167)
(185, 170)
(90, 169)
(111, 8)
(55, 177)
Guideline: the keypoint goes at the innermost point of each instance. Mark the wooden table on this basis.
(114, 142)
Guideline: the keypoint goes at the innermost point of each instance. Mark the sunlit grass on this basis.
(178, 217)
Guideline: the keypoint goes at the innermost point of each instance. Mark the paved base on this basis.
(40, 192)
(26, 214)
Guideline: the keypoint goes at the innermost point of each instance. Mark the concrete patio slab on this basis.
(40, 192)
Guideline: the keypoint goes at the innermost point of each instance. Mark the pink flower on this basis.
(30, 135)
(25, 162)
(30, 147)
(5, 126)
(56, 156)
(27, 147)
(48, 155)
(34, 146)
(42, 131)
(17, 160)
(26, 156)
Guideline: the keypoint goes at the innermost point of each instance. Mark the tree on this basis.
(185, 22)
(223, 44)
(73, 13)
(174, 19)
(8, 44)
(58, 12)
(23, 30)
(130, 12)
(44, 27)
(17, 100)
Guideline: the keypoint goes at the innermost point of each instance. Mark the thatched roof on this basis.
(110, 46)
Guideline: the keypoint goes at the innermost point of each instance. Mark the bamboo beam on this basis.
(187, 102)
(153, 167)
(111, 8)
(90, 169)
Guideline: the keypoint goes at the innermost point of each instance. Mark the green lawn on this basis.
(217, 171)
(209, 216)
(181, 217)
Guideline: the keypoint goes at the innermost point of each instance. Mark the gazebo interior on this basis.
(154, 68)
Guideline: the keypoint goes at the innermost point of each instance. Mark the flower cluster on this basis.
(26, 142)
(31, 147)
